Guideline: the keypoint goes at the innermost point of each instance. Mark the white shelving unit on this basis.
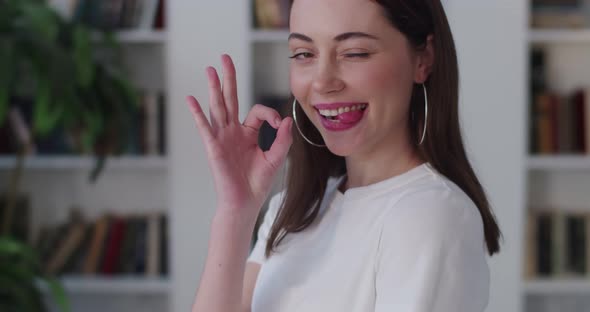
(138, 36)
(85, 162)
(556, 36)
(128, 185)
(552, 287)
(554, 178)
(552, 163)
(114, 285)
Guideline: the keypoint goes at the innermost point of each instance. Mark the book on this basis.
(67, 247)
(113, 246)
(152, 266)
(576, 244)
(96, 245)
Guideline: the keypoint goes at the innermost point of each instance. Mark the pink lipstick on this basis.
(340, 116)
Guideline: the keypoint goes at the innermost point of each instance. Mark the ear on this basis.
(424, 61)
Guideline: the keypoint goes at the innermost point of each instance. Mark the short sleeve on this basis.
(257, 253)
(432, 256)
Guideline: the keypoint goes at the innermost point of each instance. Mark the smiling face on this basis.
(352, 73)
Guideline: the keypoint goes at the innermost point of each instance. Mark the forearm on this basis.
(220, 288)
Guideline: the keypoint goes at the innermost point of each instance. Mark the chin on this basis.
(343, 149)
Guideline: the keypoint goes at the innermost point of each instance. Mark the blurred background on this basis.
(106, 197)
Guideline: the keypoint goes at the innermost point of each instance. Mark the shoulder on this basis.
(275, 203)
(436, 209)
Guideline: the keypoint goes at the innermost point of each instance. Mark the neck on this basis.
(392, 159)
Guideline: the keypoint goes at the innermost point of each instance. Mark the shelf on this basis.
(118, 285)
(553, 287)
(269, 36)
(559, 36)
(140, 36)
(556, 162)
(85, 162)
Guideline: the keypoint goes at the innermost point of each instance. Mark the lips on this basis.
(340, 116)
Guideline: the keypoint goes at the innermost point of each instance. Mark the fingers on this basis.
(230, 89)
(280, 147)
(259, 114)
(205, 130)
(216, 104)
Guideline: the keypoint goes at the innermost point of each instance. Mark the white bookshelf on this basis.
(561, 286)
(556, 36)
(559, 162)
(114, 285)
(558, 181)
(142, 36)
(86, 162)
(137, 36)
(129, 185)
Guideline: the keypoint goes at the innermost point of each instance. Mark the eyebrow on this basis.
(339, 38)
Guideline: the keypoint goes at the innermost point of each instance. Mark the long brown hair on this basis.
(442, 146)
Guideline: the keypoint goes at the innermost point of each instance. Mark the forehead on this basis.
(336, 16)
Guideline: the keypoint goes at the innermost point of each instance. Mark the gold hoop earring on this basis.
(299, 129)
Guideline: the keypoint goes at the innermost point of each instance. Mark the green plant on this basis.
(22, 280)
(52, 61)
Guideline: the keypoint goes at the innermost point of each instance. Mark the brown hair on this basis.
(442, 146)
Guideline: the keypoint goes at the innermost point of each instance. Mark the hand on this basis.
(242, 172)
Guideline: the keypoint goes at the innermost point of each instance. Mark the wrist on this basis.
(234, 218)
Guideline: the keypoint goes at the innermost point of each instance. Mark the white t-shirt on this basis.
(411, 243)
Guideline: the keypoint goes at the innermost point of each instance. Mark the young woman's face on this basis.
(351, 64)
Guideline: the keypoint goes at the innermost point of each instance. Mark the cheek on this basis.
(382, 79)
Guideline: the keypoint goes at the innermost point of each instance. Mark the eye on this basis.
(301, 55)
(357, 55)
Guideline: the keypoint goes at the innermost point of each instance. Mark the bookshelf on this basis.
(555, 36)
(557, 181)
(553, 163)
(129, 185)
(85, 162)
(139, 36)
(552, 287)
(115, 285)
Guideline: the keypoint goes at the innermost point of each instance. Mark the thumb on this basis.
(280, 147)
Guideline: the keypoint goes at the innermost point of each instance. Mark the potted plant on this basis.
(51, 63)
(22, 281)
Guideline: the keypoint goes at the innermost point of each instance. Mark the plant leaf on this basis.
(45, 120)
(83, 56)
(10, 247)
(41, 19)
(58, 293)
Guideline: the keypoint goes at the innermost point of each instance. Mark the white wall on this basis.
(490, 37)
(199, 32)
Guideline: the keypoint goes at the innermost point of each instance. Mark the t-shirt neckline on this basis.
(387, 184)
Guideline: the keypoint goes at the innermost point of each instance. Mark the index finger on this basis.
(230, 88)
(203, 125)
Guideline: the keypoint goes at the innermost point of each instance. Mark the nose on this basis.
(326, 78)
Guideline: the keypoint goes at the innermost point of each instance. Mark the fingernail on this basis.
(277, 122)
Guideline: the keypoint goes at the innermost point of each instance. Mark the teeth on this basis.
(340, 110)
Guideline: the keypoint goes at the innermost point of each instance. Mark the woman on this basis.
(382, 210)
